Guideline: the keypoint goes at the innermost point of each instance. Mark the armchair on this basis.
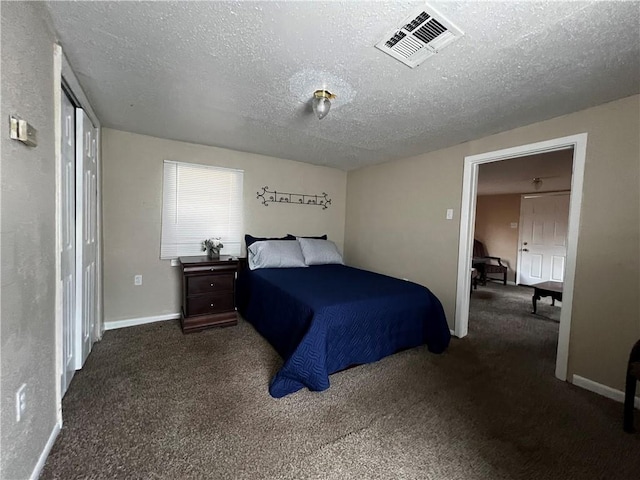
(487, 264)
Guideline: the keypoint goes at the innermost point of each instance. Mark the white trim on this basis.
(465, 248)
(600, 389)
(132, 322)
(467, 218)
(57, 128)
(575, 204)
(47, 449)
(453, 332)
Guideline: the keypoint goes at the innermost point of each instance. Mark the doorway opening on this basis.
(467, 229)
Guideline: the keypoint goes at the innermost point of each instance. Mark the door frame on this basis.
(522, 197)
(62, 73)
(467, 224)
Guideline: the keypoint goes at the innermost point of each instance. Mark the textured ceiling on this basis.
(233, 74)
(516, 175)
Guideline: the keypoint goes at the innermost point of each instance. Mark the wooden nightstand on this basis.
(208, 292)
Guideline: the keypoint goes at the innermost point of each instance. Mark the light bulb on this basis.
(322, 102)
(321, 106)
(537, 183)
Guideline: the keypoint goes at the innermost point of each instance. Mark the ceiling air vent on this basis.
(421, 35)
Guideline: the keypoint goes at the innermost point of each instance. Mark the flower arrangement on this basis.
(212, 246)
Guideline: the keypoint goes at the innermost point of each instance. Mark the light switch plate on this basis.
(449, 213)
(22, 131)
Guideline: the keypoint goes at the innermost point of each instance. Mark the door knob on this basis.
(525, 249)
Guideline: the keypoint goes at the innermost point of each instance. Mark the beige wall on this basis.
(494, 216)
(396, 225)
(132, 210)
(27, 239)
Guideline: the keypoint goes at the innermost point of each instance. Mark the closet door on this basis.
(68, 230)
(86, 233)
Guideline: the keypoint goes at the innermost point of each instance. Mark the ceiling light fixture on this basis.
(322, 102)
(537, 183)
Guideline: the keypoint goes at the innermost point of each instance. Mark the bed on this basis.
(324, 318)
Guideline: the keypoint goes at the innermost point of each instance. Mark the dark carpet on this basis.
(153, 403)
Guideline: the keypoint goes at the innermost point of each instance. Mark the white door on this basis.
(68, 253)
(86, 251)
(543, 238)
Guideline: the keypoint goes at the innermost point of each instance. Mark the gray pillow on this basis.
(319, 252)
(275, 254)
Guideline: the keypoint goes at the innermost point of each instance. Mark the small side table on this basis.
(546, 289)
(208, 292)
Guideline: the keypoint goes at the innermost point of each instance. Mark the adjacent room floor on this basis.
(154, 403)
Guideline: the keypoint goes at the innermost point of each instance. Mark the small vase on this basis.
(213, 253)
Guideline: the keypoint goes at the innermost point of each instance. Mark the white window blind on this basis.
(200, 202)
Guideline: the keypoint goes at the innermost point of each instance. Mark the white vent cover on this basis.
(421, 35)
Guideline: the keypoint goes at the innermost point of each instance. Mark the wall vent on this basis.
(421, 35)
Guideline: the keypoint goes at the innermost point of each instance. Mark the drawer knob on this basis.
(212, 284)
(212, 304)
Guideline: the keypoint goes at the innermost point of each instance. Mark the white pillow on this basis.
(275, 254)
(319, 252)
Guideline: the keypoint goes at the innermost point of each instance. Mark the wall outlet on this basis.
(137, 280)
(21, 402)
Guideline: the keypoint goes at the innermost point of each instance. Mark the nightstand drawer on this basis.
(213, 303)
(209, 283)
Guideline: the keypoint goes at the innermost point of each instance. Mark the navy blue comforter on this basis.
(325, 318)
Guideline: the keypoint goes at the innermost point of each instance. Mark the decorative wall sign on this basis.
(267, 196)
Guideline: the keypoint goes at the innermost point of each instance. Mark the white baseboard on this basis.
(45, 452)
(132, 322)
(595, 387)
